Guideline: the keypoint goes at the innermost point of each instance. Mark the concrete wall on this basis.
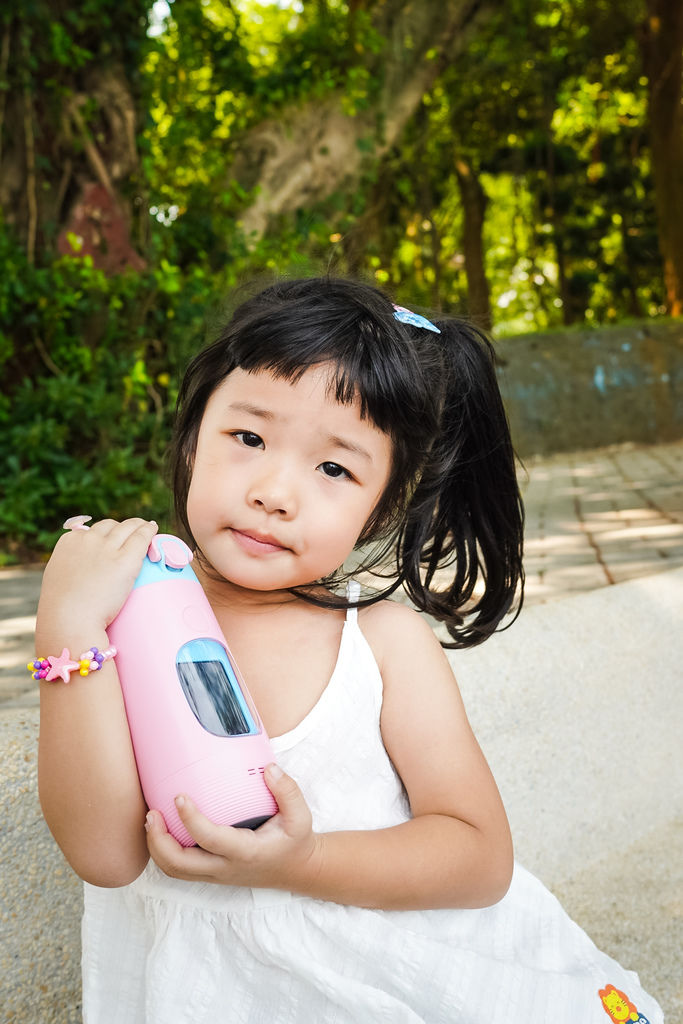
(575, 390)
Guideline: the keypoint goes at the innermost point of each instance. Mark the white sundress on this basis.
(165, 951)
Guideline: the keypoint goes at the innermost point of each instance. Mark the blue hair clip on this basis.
(406, 316)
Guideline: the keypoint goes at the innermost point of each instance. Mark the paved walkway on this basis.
(602, 517)
(593, 519)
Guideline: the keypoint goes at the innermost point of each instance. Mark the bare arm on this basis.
(456, 851)
(87, 779)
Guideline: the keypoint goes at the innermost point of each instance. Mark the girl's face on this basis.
(284, 479)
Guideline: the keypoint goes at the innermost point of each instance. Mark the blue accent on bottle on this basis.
(156, 572)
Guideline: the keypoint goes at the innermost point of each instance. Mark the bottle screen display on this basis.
(211, 689)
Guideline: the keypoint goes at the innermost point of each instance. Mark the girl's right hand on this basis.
(91, 572)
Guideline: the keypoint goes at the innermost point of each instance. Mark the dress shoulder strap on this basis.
(352, 594)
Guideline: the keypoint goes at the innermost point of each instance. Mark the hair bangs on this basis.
(291, 340)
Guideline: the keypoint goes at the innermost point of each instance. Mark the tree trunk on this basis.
(68, 148)
(566, 297)
(564, 292)
(633, 304)
(474, 202)
(662, 49)
(315, 149)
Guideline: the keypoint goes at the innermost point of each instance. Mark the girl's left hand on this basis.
(284, 853)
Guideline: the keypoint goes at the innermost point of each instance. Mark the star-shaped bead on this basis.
(62, 666)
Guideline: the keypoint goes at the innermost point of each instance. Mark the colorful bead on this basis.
(52, 668)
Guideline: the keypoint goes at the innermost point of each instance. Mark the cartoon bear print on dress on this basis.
(619, 1008)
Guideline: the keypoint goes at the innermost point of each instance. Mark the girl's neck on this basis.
(286, 648)
(223, 594)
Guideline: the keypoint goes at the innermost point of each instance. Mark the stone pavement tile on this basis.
(40, 897)
(632, 570)
(560, 582)
(637, 522)
(19, 590)
(654, 477)
(557, 538)
(658, 555)
(670, 500)
(639, 526)
(647, 461)
(627, 552)
(616, 510)
(565, 557)
(18, 597)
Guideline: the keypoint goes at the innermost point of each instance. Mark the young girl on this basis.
(323, 423)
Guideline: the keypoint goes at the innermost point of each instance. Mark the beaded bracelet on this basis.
(51, 668)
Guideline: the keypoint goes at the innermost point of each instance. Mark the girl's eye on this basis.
(334, 471)
(247, 438)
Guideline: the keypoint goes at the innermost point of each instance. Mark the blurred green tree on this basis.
(497, 157)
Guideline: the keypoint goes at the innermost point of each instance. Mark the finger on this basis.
(85, 536)
(188, 863)
(105, 526)
(88, 540)
(219, 839)
(118, 535)
(155, 825)
(132, 533)
(128, 540)
(294, 813)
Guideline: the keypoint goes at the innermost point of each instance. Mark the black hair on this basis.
(451, 513)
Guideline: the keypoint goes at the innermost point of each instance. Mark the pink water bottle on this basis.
(193, 724)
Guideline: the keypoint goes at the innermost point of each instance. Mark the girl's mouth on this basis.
(257, 543)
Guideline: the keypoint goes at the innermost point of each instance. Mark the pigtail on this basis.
(460, 547)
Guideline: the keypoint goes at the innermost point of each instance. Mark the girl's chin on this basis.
(249, 575)
(226, 575)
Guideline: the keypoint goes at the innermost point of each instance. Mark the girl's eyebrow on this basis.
(348, 446)
(254, 410)
(332, 439)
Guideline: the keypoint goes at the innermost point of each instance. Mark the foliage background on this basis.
(518, 188)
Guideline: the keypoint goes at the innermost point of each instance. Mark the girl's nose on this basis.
(274, 493)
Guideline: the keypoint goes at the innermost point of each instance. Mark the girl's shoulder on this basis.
(395, 630)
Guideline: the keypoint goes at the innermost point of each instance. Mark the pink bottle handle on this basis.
(173, 550)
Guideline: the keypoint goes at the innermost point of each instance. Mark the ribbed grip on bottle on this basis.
(243, 802)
